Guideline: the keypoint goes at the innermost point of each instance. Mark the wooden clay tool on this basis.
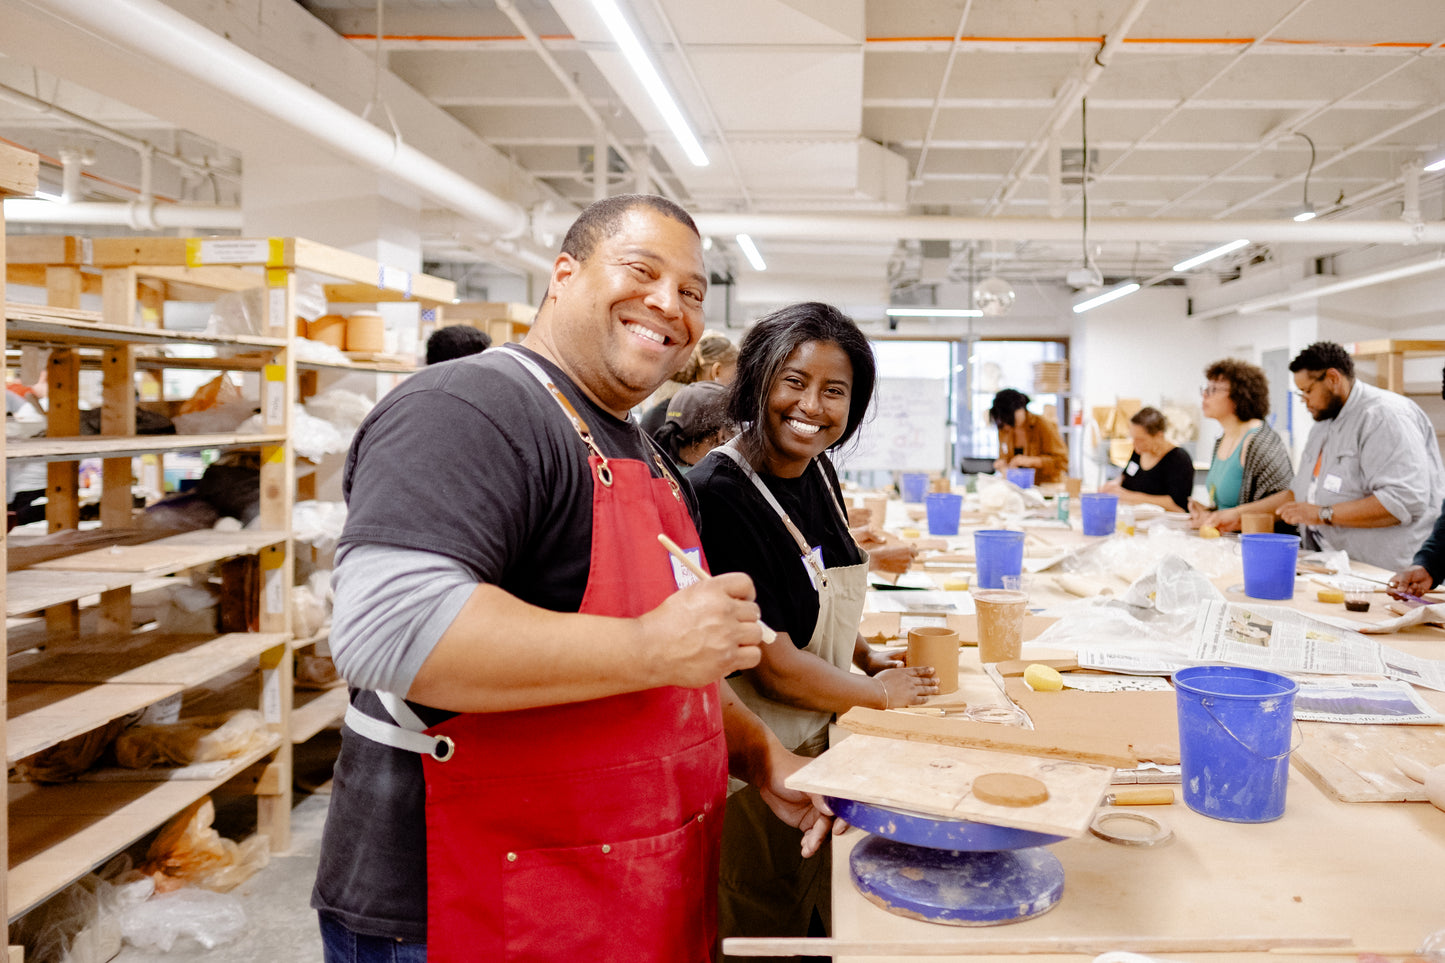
(686, 560)
(1153, 796)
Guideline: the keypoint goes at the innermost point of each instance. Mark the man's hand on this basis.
(1299, 513)
(801, 810)
(1414, 580)
(704, 632)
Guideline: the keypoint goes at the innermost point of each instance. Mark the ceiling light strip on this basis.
(1114, 294)
(1188, 264)
(751, 252)
(652, 82)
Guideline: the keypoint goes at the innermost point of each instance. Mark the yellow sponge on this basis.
(1043, 678)
(1208, 531)
(1331, 595)
(910, 533)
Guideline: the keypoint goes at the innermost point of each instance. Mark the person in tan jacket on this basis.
(1027, 440)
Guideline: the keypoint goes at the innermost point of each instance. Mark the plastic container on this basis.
(944, 509)
(1235, 726)
(998, 553)
(1269, 564)
(914, 484)
(1022, 477)
(1098, 510)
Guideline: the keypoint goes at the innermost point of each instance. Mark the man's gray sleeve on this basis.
(392, 606)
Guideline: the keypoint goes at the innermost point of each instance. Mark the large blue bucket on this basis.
(1234, 740)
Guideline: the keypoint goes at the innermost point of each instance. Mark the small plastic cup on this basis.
(1269, 564)
(944, 510)
(998, 553)
(1098, 510)
(1000, 623)
(914, 484)
(1022, 477)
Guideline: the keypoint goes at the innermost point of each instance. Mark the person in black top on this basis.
(1159, 472)
(697, 422)
(772, 507)
(455, 341)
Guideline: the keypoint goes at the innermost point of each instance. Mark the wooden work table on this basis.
(1372, 874)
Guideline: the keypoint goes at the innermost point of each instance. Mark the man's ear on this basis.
(563, 270)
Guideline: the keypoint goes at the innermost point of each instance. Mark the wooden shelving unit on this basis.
(84, 678)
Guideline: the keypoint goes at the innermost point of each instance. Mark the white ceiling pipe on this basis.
(884, 228)
(152, 30)
(136, 215)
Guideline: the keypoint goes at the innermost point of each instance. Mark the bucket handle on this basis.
(1207, 704)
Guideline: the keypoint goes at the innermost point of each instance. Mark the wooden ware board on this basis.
(1147, 722)
(130, 558)
(31, 590)
(151, 658)
(984, 735)
(1355, 764)
(937, 781)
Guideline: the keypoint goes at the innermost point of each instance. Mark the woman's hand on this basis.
(1414, 580)
(908, 687)
(1000, 464)
(880, 660)
(892, 559)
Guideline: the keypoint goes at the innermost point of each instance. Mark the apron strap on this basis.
(604, 471)
(820, 575)
(408, 732)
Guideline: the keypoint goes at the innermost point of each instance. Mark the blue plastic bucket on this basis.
(1022, 477)
(914, 483)
(1234, 741)
(944, 509)
(1098, 510)
(998, 553)
(1269, 563)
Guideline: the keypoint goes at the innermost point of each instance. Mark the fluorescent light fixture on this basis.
(933, 313)
(1113, 294)
(1189, 264)
(651, 80)
(1435, 162)
(1305, 213)
(1435, 263)
(750, 251)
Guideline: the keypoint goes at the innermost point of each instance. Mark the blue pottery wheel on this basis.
(954, 872)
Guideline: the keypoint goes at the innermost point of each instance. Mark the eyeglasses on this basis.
(1211, 389)
(1305, 394)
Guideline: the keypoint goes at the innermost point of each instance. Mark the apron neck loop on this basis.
(604, 471)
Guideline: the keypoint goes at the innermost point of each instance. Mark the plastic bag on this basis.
(81, 923)
(310, 437)
(220, 390)
(189, 851)
(214, 420)
(239, 312)
(189, 609)
(202, 739)
(344, 409)
(209, 918)
(318, 524)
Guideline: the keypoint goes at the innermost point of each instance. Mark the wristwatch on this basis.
(1327, 513)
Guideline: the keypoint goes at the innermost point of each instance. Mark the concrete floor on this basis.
(281, 926)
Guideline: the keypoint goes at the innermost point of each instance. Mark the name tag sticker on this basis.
(1333, 483)
(680, 573)
(1132, 468)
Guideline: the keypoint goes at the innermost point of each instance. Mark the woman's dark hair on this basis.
(1248, 387)
(1151, 420)
(1005, 403)
(766, 348)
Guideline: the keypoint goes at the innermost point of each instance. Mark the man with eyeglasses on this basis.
(1370, 480)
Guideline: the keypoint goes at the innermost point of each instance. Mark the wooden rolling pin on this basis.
(1150, 796)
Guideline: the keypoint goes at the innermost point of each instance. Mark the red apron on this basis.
(588, 831)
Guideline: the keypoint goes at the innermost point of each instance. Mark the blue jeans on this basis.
(342, 945)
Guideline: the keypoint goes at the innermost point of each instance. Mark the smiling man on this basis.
(1370, 480)
(558, 763)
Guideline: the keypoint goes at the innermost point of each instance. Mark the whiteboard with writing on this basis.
(906, 430)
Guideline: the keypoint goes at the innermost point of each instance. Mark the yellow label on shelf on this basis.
(273, 454)
(277, 277)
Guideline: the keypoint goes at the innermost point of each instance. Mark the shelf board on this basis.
(384, 367)
(60, 833)
(48, 325)
(123, 446)
(74, 577)
(71, 689)
(313, 710)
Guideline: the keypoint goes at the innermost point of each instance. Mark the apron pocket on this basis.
(630, 901)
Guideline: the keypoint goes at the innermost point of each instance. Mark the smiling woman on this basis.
(772, 507)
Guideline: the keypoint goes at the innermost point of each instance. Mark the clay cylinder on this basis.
(1073, 486)
(1000, 623)
(938, 647)
(365, 331)
(939, 483)
(328, 329)
(1252, 523)
(877, 506)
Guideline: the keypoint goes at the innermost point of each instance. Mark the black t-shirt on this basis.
(742, 533)
(1172, 475)
(474, 460)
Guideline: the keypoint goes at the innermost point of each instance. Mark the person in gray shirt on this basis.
(1370, 480)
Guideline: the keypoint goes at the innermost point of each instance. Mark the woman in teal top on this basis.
(1250, 461)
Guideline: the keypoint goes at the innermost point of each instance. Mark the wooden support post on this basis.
(117, 417)
(62, 485)
(273, 807)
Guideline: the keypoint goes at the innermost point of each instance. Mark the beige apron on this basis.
(766, 887)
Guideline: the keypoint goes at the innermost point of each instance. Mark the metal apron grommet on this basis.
(444, 749)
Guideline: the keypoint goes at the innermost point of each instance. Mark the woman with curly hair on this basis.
(1250, 462)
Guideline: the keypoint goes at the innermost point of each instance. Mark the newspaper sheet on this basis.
(1283, 640)
(1358, 700)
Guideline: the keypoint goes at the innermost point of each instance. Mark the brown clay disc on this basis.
(1010, 789)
